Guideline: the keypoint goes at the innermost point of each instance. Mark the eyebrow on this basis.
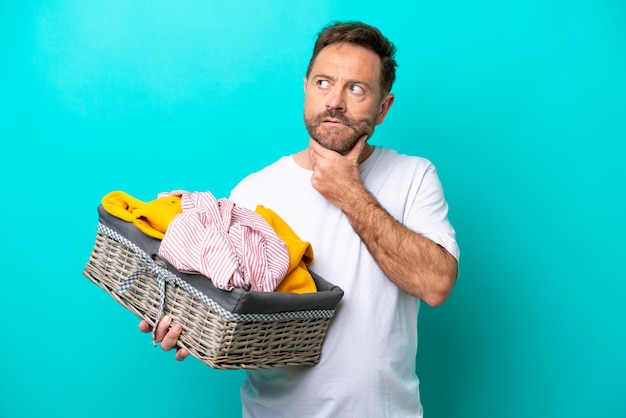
(351, 81)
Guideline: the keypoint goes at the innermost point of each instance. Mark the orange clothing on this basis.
(152, 218)
(298, 279)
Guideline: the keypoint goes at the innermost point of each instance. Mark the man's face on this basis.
(343, 97)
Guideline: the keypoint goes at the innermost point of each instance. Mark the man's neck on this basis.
(303, 158)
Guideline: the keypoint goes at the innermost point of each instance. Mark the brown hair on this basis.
(364, 35)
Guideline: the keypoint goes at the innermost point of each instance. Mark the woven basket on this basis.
(223, 338)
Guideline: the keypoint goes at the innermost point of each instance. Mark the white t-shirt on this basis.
(367, 366)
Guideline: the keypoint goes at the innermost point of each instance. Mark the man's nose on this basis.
(336, 99)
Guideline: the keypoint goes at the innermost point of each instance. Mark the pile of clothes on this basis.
(233, 246)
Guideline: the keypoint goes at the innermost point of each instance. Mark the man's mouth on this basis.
(333, 121)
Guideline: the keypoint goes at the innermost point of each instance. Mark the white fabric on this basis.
(367, 368)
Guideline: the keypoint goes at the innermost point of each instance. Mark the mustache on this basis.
(337, 115)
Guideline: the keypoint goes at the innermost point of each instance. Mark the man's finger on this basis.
(354, 154)
(171, 338)
(162, 327)
(181, 354)
(144, 326)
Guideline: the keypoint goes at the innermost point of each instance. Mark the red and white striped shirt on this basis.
(232, 245)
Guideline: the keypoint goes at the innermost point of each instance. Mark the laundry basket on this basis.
(224, 329)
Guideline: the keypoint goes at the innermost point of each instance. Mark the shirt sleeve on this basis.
(428, 214)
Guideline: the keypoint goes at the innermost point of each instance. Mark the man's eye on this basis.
(323, 83)
(356, 89)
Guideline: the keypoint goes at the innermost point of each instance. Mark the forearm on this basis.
(414, 263)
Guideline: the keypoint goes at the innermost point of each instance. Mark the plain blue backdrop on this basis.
(521, 106)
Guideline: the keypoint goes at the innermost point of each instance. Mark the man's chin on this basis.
(342, 148)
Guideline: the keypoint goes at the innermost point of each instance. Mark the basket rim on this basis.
(174, 280)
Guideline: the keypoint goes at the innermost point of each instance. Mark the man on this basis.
(378, 225)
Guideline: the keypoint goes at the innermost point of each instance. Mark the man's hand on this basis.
(168, 337)
(336, 176)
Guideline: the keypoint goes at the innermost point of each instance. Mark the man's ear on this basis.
(305, 81)
(384, 108)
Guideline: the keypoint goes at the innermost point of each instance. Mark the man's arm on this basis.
(414, 263)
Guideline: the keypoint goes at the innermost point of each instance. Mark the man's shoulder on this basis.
(394, 158)
(277, 167)
(260, 181)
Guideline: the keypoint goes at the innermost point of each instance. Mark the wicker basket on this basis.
(225, 330)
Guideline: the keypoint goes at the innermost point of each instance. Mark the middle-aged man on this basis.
(378, 224)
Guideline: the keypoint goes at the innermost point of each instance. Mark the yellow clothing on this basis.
(152, 218)
(298, 279)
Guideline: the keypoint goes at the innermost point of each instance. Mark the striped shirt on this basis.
(232, 245)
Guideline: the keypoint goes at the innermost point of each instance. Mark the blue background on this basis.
(521, 105)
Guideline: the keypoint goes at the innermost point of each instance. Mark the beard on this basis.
(337, 139)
